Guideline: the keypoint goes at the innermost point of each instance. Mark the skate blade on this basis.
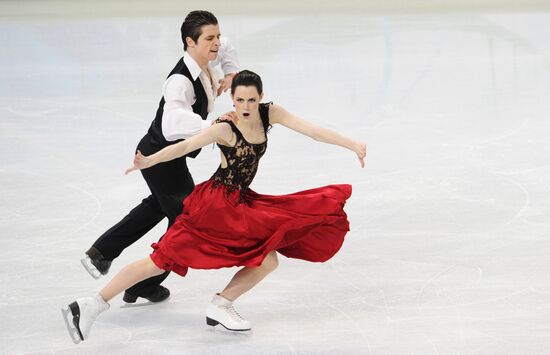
(90, 268)
(73, 332)
(213, 323)
(136, 305)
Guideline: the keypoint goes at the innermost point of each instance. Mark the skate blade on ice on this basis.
(72, 324)
(136, 305)
(92, 270)
(212, 322)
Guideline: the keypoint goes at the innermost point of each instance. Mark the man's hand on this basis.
(225, 83)
(229, 116)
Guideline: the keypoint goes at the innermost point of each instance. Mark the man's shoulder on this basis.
(177, 83)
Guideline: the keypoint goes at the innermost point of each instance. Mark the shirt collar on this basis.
(192, 65)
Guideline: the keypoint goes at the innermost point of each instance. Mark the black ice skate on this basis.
(160, 294)
(95, 263)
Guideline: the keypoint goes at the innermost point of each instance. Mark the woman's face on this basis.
(246, 100)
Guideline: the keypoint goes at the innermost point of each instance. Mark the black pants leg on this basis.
(169, 183)
(135, 225)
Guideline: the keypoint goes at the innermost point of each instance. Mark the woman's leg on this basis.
(248, 277)
(129, 276)
(81, 314)
(221, 311)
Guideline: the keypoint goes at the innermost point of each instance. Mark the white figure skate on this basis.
(221, 311)
(80, 315)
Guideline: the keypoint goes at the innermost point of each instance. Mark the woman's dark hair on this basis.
(192, 25)
(247, 78)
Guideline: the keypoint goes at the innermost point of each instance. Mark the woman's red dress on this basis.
(224, 223)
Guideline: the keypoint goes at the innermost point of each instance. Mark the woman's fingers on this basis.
(361, 154)
(138, 163)
(129, 170)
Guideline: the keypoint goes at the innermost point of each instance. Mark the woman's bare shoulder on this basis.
(222, 131)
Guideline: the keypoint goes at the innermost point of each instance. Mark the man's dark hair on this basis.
(192, 25)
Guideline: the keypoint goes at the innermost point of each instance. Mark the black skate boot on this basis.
(160, 294)
(95, 263)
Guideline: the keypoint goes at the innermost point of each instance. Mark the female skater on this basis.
(224, 223)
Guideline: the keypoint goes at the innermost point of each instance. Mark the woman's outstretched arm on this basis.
(277, 114)
(216, 133)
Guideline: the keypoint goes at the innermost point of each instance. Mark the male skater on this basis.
(188, 95)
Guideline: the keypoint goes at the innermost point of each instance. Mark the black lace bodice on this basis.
(242, 160)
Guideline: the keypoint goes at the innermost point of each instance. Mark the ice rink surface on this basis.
(449, 246)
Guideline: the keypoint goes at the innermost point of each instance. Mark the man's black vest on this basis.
(200, 107)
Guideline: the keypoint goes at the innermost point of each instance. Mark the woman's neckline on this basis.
(244, 138)
(248, 141)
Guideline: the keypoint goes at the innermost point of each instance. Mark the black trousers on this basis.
(169, 183)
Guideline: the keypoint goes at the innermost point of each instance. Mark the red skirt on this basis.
(216, 231)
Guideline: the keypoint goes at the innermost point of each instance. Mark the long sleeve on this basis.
(178, 119)
(227, 57)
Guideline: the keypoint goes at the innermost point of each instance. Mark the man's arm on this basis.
(178, 119)
(228, 60)
(227, 57)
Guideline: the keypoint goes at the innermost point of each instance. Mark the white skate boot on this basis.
(83, 312)
(221, 311)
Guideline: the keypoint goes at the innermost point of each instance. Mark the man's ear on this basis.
(190, 42)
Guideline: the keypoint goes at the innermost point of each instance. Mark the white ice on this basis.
(450, 219)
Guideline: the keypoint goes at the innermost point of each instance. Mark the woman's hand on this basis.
(140, 162)
(360, 149)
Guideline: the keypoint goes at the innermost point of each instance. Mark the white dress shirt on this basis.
(178, 119)
(227, 57)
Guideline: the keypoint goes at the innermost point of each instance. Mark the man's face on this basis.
(207, 45)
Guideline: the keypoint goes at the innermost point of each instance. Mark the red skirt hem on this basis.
(213, 232)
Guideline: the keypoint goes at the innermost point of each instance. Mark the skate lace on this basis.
(234, 313)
